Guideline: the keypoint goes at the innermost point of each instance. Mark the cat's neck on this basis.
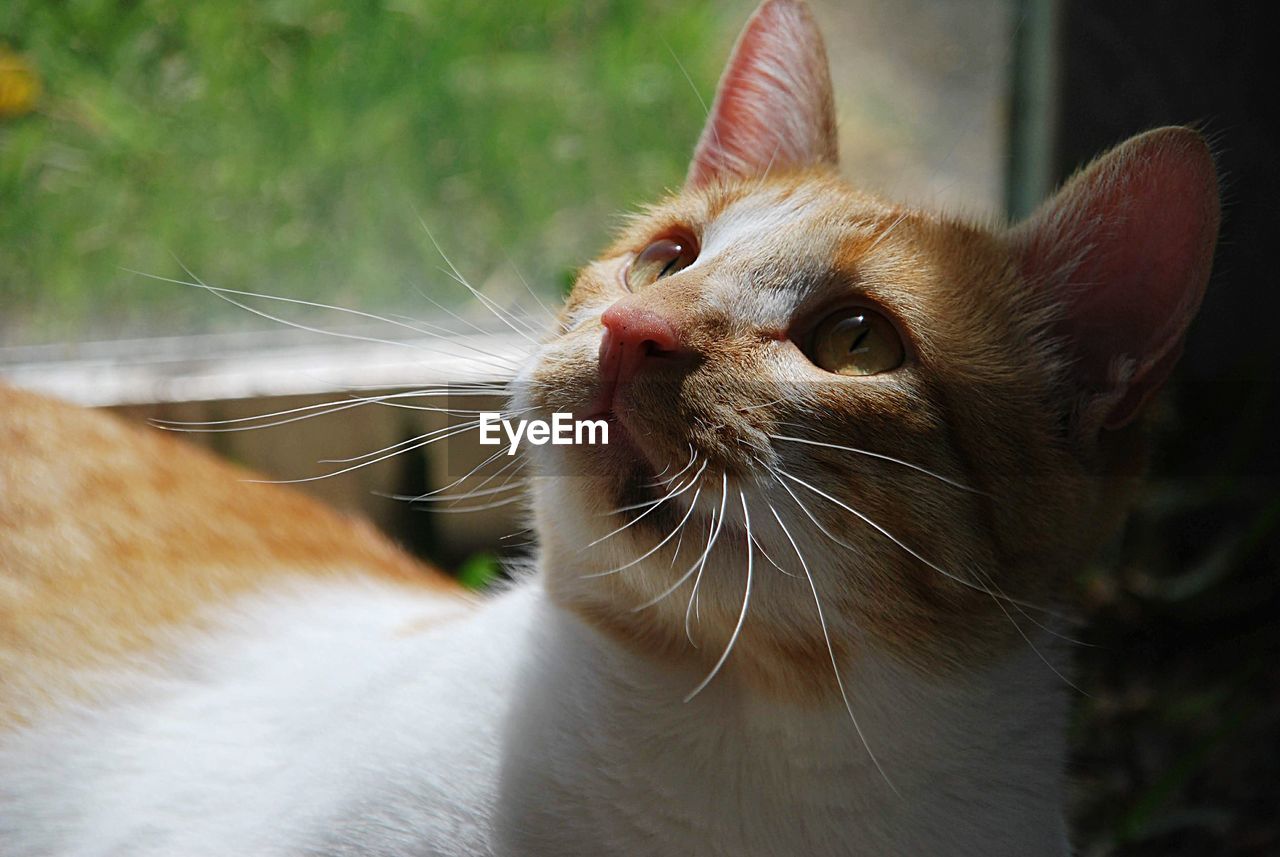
(603, 755)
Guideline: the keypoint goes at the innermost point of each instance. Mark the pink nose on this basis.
(632, 336)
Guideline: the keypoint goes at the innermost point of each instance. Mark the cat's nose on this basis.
(633, 336)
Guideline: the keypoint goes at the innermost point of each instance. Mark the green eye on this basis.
(857, 341)
(662, 258)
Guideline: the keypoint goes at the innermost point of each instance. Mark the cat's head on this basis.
(921, 424)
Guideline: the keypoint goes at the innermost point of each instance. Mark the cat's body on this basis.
(404, 736)
(334, 708)
(889, 437)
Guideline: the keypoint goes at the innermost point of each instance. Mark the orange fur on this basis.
(1022, 345)
(986, 398)
(970, 322)
(110, 535)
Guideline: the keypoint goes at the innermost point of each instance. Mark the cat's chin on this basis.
(626, 462)
(625, 469)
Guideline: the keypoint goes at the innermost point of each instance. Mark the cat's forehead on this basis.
(791, 233)
(770, 218)
(815, 216)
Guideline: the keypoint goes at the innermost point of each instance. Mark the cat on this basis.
(803, 601)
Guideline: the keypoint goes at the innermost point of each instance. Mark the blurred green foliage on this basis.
(479, 570)
(289, 146)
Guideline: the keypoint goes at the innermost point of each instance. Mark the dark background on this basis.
(1178, 748)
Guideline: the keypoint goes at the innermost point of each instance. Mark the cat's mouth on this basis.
(634, 468)
(658, 446)
(626, 449)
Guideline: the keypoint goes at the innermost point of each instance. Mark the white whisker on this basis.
(888, 535)
(676, 493)
(484, 300)
(464, 427)
(444, 309)
(299, 414)
(466, 495)
(550, 315)
(880, 456)
(679, 544)
(706, 111)
(503, 364)
(999, 599)
(765, 554)
(435, 496)
(502, 451)
(826, 636)
(885, 234)
(746, 408)
(463, 510)
(337, 403)
(651, 551)
(712, 534)
(764, 176)
(693, 456)
(644, 504)
(695, 604)
(307, 412)
(746, 603)
(999, 602)
(407, 443)
(503, 314)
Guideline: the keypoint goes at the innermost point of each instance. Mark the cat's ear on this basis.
(1126, 247)
(773, 108)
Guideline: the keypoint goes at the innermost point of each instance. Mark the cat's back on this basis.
(191, 663)
(113, 536)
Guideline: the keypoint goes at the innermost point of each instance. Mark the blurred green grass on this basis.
(288, 146)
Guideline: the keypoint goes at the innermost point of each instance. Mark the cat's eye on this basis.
(662, 258)
(857, 341)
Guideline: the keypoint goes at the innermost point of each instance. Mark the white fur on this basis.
(312, 724)
(603, 757)
(750, 224)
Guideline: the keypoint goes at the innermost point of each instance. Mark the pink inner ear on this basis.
(1129, 244)
(773, 108)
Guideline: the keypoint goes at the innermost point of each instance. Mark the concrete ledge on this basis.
(210, 378)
